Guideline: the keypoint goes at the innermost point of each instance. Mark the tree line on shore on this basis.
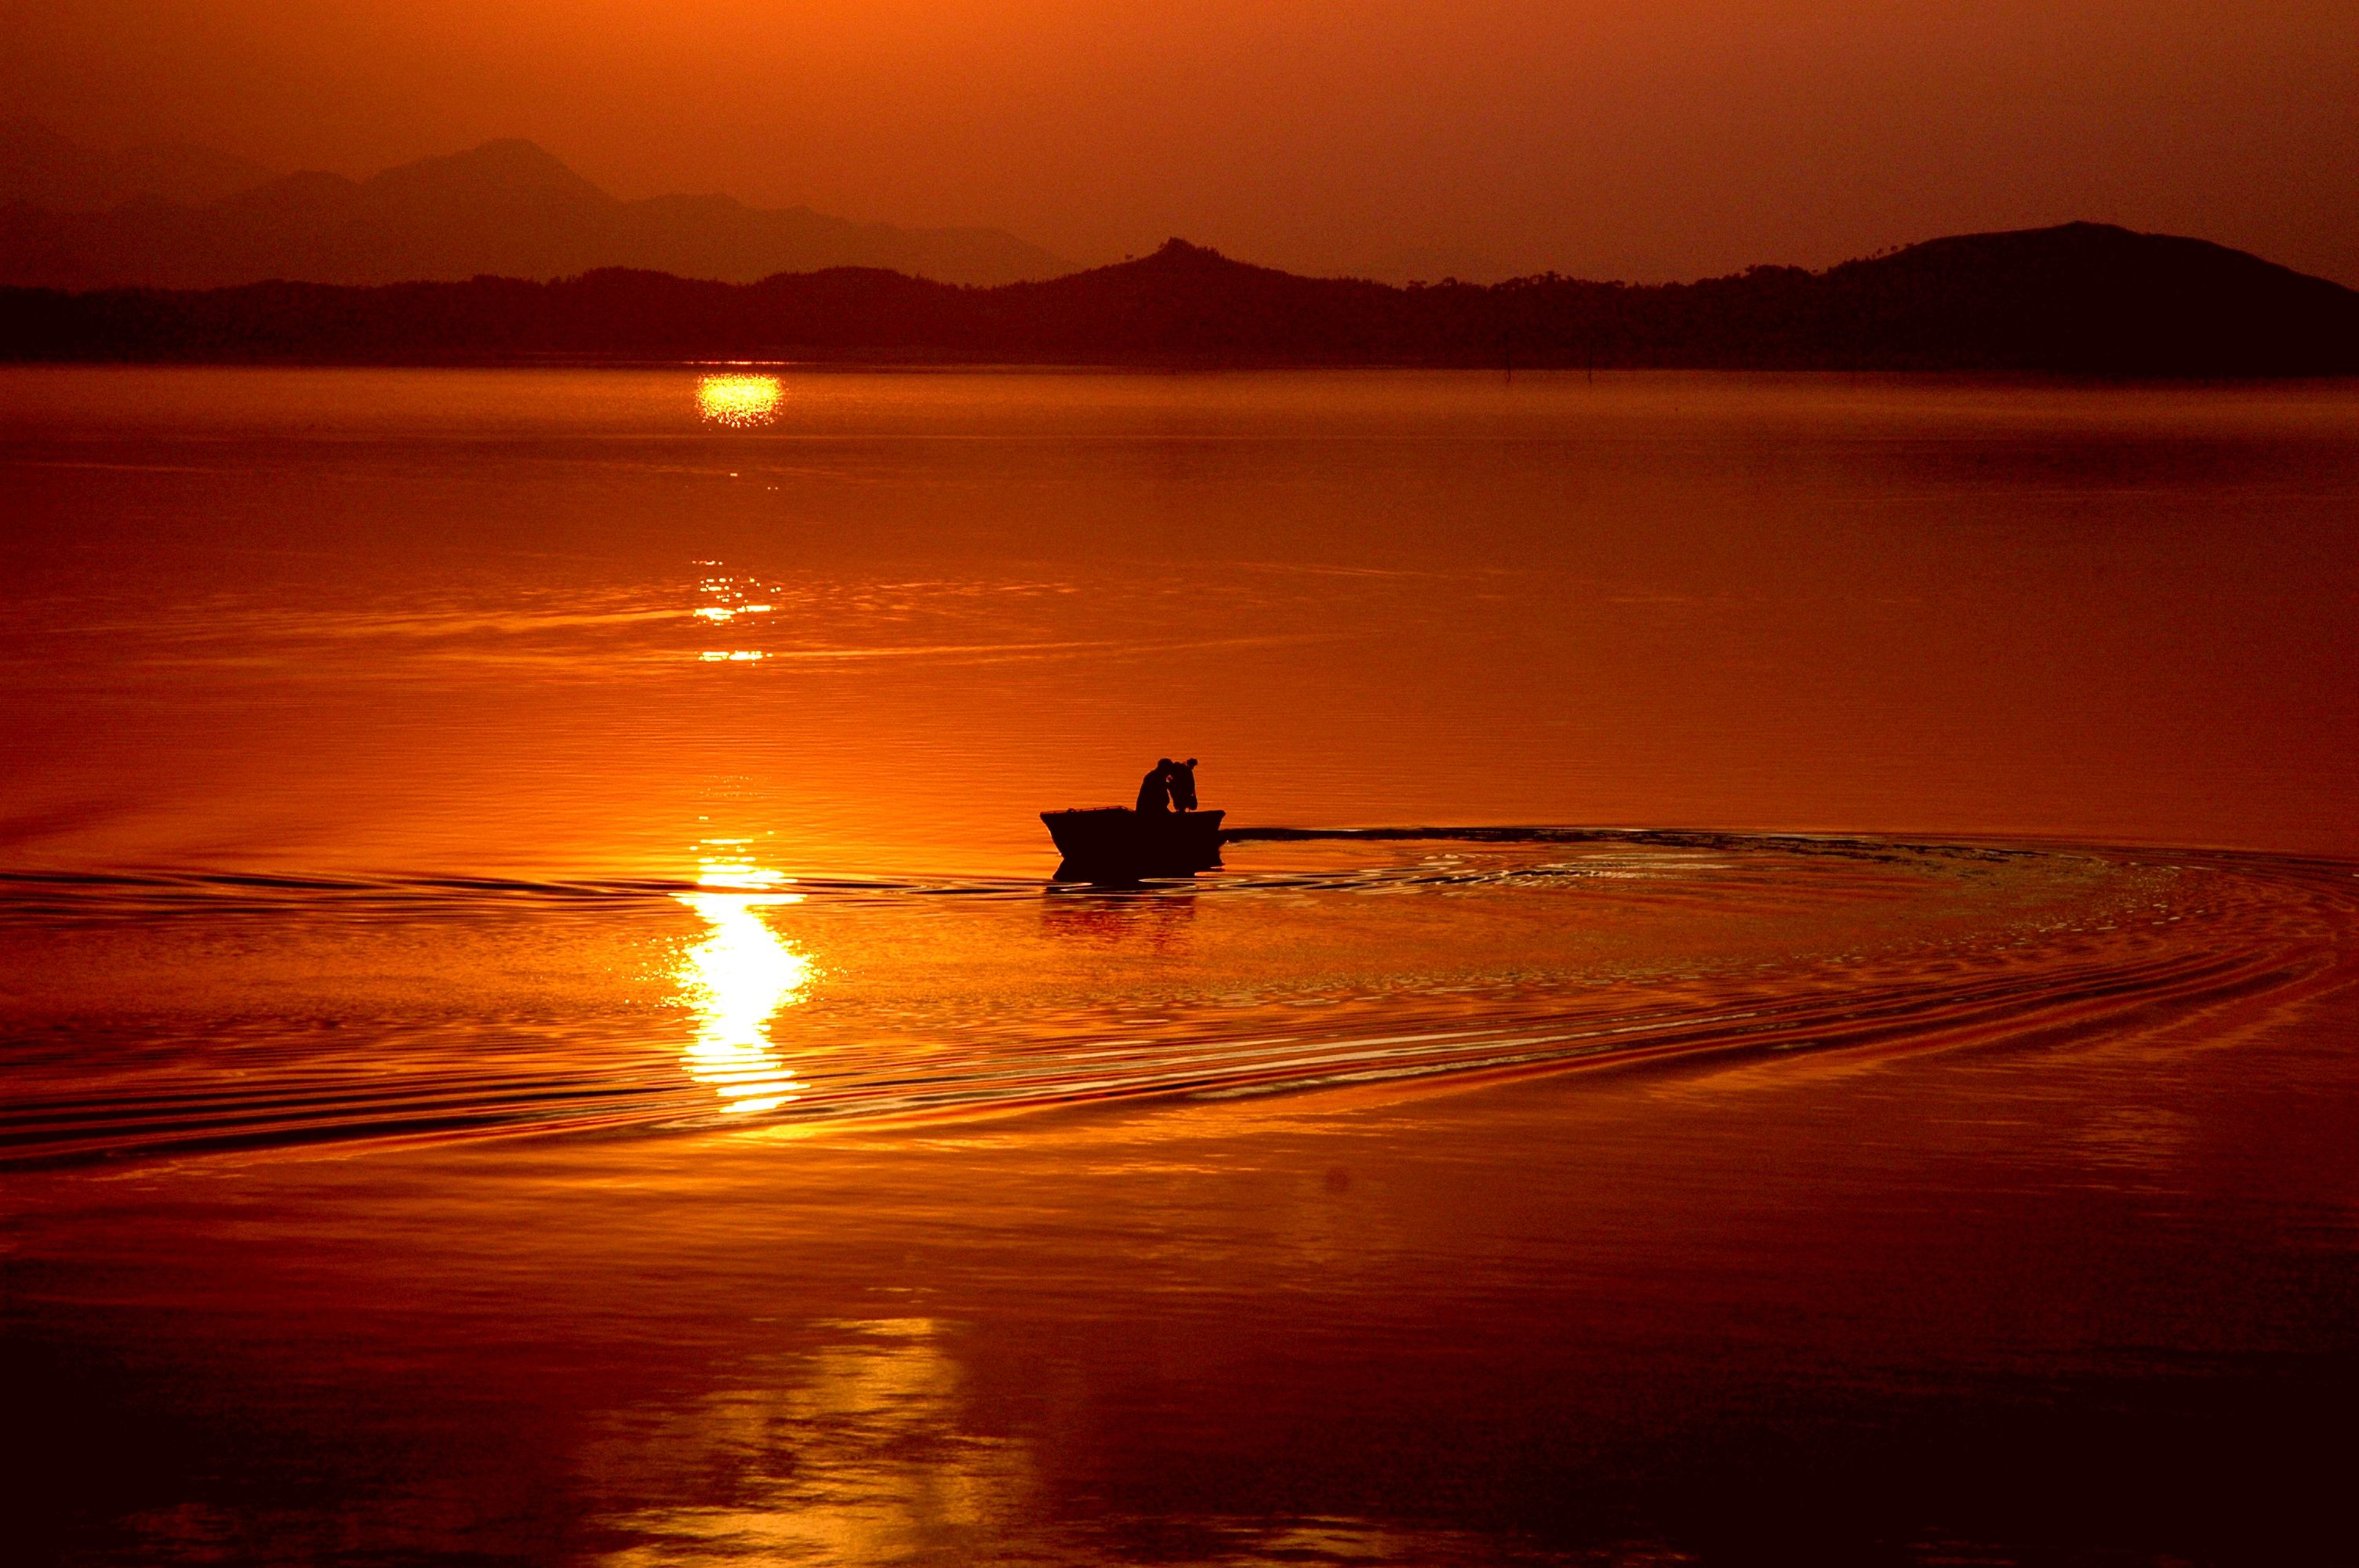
(2079, 298)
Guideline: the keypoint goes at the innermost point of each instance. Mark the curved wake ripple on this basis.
(147, 1014)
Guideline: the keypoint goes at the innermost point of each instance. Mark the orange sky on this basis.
(1668, 138)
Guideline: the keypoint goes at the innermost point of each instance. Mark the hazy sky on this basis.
(1647, 138)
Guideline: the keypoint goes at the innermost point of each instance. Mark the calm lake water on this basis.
(1814, 1016)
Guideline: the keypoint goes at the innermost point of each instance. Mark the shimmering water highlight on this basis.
(168, 1013)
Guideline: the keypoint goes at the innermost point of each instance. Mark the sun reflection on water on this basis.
(730, 597)
(739, 402)
(856, 1450)
(737, 978)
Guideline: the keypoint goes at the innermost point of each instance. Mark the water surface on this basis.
(568, 624)
(1806, 1011)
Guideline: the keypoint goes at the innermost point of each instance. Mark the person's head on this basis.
(1163, 762)
(1189, 763)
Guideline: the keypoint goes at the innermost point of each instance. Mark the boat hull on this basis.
(1116, 844)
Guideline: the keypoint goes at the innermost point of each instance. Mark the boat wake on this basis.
(161, 1013)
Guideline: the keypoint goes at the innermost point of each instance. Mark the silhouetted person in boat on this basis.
(1155, 789)
(1183, 784)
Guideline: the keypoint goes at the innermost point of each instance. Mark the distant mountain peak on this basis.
(2080, 248)
(507, 168)
(508, 207)
(1176, 252)
(42, 168)
(1178, 256)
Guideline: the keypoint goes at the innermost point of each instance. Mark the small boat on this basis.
(1115, 844)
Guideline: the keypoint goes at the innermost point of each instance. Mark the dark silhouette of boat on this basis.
(1115, 843)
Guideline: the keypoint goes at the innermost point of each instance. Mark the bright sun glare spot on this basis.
(736, 978)
(739, 874)
(739, 402)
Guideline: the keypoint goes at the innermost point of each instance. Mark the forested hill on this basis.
(2081, 298)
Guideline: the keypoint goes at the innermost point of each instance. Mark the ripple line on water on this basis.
(83, 1087)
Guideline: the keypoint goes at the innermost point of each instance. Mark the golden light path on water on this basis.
(737, 978)
(738, 401)
(731, 597)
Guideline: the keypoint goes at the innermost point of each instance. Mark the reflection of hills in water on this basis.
(281, 1010)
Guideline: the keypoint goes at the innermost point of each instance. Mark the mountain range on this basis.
(182, 217)
(2077, 298)
(40, 168)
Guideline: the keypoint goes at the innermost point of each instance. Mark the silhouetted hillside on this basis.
(507, 209)
(40, 168)
(2081, 298)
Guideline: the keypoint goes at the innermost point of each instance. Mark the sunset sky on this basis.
(1669, 139)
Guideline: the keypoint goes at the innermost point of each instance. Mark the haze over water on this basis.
(1936, 807)
(578, 622)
